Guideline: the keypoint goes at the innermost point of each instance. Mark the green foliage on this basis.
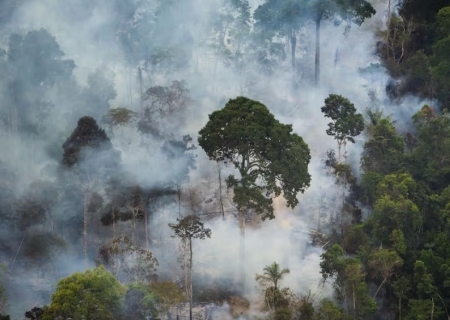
(394, 208)
(119, 117)
(167, 294)
(421, 310)
(139, 303)
(144, 301)
(190, 227)
(384, 263)
(331, 261)
(282, 314)
(272, 274)
(433, 149)
(369, 184)
(415, 49)
(94, 294)
(346, 124)
(351, 12)
(354, 239)
(383, 153)
(262, 149)
(329, 311)
(349, 284)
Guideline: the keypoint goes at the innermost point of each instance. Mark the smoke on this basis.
(108, 41)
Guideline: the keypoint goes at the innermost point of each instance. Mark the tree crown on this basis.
(270, 158)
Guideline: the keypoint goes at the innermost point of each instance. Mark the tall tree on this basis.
(346, 124)
(355, 11)
(90, 156)
(188, 228)
(119, 117)
(384, 263)
(283, 18)
(271, 160)
(34, 64)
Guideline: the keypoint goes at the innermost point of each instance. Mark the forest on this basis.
(224, 159)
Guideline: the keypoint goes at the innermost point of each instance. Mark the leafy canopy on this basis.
(94, 294)
(346, 124)
(270, 158)
(272, 274)
(190, 227)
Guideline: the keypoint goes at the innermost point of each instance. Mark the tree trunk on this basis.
(400, 308)
(133, 226)
(50, 217)
(242, 245)
(186, 269)
(317, 62)
(190, 279)
(375, 295)
(144, 207)
(179, 200)
(432, 308)
(114, 222)
(354, 301)
(85, 214)
(220, 191)
(388, 29)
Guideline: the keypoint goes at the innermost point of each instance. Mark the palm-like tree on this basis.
(272, 274)
(374, 117)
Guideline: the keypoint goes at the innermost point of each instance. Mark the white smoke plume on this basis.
(87, 33)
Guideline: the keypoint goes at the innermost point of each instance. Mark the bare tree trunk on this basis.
(144, 207)
(114, 222)
(399, 308)
(242, 245)
(141, 91)
(375, 295)
(432, 308)
(190, 279)
(220, 191)
(133, 225)
(131, 93)
(354, 301)
(50, 217)
(388, 29)
(317, 62)
(85, 216)
(17, 252)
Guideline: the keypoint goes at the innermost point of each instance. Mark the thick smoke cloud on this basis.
(103, 45)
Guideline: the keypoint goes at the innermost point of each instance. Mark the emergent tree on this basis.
(270, 158)
(188, 228)
(352, 11)
(346, 124)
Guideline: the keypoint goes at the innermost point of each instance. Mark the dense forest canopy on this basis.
(224, 159)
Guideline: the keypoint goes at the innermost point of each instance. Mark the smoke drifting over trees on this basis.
(119, 118)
